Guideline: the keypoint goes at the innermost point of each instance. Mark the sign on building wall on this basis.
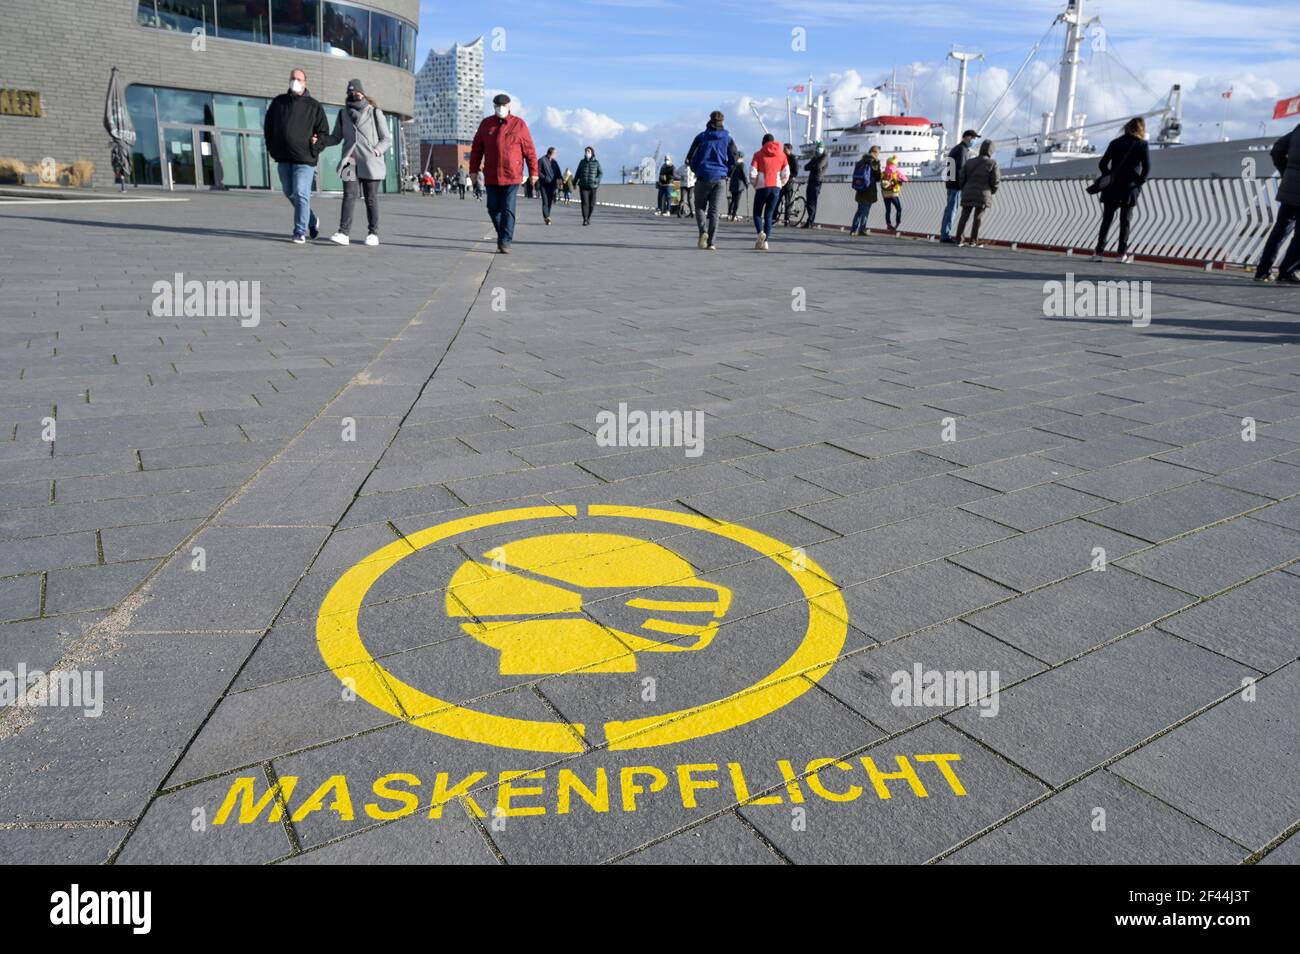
(20, 102)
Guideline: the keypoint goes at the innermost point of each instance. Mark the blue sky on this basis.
(628, 74)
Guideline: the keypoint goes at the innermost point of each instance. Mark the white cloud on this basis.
(587, 125)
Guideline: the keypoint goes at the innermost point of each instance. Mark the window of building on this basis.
(385, 39)
(248, 20)
(408, 47)
(347, 29)
(240, 112)
(186, 15)
(185, 106)
(296, 23)
(146, 163)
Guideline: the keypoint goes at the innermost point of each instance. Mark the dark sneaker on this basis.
(503, 249)
(314, 229)
(1291, 278)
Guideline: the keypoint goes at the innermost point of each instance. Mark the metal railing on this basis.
(1212, 222)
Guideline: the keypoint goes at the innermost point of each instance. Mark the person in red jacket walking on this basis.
(503, 146)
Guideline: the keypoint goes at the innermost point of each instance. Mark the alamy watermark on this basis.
(70, 689)
(179, 298)
(651, 429)
(946, 688)
(1089, 299)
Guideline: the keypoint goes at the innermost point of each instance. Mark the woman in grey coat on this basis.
(978, 181)
(362, 128)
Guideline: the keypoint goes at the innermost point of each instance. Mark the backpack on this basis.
(862, 178)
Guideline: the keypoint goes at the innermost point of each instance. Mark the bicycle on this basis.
(798, 207)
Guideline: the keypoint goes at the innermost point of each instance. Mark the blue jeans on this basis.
(1288, 220)
(860, 218)
(295, 182)
(501, 210)
(765, 201)
(949, 211)
(893, 204)
(665, 199)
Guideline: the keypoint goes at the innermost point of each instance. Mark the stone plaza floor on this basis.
(618, 550)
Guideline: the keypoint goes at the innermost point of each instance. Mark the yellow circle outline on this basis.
(341, 646)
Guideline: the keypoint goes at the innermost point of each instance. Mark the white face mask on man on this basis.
(502, 112)
(296, 86)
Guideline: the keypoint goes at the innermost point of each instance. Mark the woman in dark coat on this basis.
(1128, 163)
(978, 180)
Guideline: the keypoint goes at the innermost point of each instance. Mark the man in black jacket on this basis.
(1286, 156)
(296, 131)
(957, 157)
(815, 168)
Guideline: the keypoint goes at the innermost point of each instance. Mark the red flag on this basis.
(1227, 95)
(1286, 107)
(797, 89)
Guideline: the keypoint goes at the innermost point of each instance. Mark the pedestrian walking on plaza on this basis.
(957, 157)
(502, 148)
(712, 155)
(664, 198)
(787, 193)
(477, 181)
(362, 129)
(737, 183)
(294, 128)
(979, 180)
(460, 183)
(587, 179)
(866, 189)
(548, 180)
(1124, 168)
(815, 168)
(770, 171)
(567, 185)
(1286, 156)
(891, 188)
(687, 204)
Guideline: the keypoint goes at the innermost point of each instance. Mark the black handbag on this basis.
(1101, 183)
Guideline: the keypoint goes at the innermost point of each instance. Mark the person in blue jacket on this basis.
(712, 155)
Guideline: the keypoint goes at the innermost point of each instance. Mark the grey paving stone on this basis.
(1137, 478)
(411, 841)
(1269, 478)
(757, 498)
(876, 508)
(296, 493)
(248, 574)
(1227, 453)
(93, 587)
(864, 681)
(1075, 615)
(181, 828)
(1254, 623)
(1233, 768)
(41, 643)
(1177, 511)
(861, 476)
(1032, 559)
(1214, 559)
(918, 596)
(1285, 514)
(1035, 507)
(68, 845)
(1063, 722)
(1066, 829)
(903, 829)
(157, 690)
(724, 840)
(47, 553)
(123, 544)
(1105, 451)
(1017, 473)
(1287, 853)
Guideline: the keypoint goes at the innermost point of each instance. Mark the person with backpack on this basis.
(295, 127)
(687, 205)
(769, 171)
(815, 167)
(502, 148)
(363, 130)
(891, 188)
(588, 181)
(979, 179)
(787, 191)
(957, 157)
(712, 155)
(737, 183)
(1286, 157)
(667, 172)
(1124, 169)
(866, 188)
(548, 180)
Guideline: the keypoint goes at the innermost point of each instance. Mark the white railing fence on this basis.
(1217, 222)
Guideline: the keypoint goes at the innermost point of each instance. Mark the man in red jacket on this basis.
(502, 147)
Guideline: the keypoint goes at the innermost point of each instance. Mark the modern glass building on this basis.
(198, 77)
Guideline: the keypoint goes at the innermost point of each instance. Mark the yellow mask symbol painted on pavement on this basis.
(597, 599)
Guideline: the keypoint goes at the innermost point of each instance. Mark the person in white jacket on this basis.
(687, 205)
(769, 171)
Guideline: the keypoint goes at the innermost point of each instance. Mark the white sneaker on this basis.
(704, 241)
(1126, 259)
(299, 240)
(765, 243)
(1097, 258)
(338, 238)
(372, 239)
(758, 242)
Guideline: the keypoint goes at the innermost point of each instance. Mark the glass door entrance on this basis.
(204, 157)
(179, 152)
(244, 162)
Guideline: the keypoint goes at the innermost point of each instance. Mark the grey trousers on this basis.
(708, 204)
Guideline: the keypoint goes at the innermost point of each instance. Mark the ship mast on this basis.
(962, 59)
(1075, 24)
